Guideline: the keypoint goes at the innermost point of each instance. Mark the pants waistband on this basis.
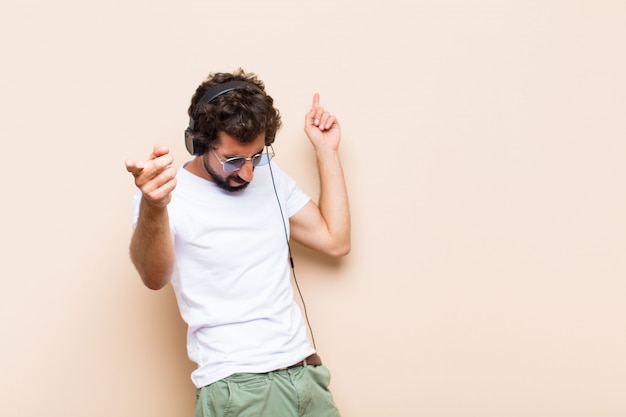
(313, 360)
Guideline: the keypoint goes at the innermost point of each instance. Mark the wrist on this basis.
(322, 152)
(153, 207)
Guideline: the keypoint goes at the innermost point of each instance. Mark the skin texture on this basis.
(324, 227)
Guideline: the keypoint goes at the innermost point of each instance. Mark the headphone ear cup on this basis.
(189, 141)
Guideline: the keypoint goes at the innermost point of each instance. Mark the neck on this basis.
(197, 168)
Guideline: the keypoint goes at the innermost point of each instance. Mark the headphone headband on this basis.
(216, 91)
(210, 95)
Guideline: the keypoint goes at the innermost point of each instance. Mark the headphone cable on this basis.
(293, 269)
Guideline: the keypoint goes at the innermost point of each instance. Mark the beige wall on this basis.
(484, 148)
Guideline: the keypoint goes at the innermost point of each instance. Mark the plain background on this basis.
(483, 145)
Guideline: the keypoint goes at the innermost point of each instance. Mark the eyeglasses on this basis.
(237, 162)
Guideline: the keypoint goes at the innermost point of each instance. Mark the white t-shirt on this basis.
(232, 275)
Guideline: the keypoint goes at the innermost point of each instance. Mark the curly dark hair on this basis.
(243, 113)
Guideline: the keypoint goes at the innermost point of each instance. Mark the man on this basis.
(221, 239)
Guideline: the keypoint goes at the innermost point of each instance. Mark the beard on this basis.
(223, 183)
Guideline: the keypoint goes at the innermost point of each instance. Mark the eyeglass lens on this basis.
(234, 164)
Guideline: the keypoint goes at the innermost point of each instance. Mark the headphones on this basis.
(192, 145)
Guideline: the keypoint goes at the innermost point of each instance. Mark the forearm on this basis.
(333, 200)
(152, 246)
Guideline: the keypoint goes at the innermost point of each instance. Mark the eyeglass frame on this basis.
(269, 155)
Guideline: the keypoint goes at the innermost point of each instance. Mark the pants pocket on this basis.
(321, 375)
(213, 400)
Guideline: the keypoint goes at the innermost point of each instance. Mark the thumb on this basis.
(309, 120)
(159, 150)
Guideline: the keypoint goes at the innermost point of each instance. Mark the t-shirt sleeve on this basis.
(296, 198)
(135, 207)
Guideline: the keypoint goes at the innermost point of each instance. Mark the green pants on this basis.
(293, 392)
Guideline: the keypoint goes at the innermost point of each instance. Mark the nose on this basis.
(246, 172)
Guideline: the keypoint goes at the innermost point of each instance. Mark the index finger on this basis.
(316, 100)
(134, 167)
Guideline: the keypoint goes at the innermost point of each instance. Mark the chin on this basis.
(233, 189)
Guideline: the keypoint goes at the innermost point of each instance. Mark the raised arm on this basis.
(151, 245)
(325, 226)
